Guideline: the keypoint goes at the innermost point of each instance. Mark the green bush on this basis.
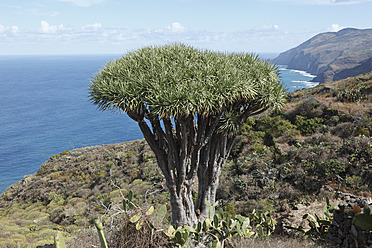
(310, 185)
(47, 234)
(276, 125)
(331, 167)
(351, 95)
(308, 125)
(247, 126)
(354, 181)
(31, 237)
(363, 131)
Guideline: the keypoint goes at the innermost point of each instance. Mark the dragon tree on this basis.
(189, 104)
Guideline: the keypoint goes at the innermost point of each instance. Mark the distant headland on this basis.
(332, 55)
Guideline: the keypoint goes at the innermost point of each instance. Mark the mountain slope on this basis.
(332, 55)
(323, 139)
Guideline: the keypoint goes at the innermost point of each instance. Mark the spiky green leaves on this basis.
(178, 80)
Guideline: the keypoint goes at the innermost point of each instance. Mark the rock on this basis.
(296, 207)
(338, 218)
(26, 180)
(354, 231)
(341, 207)
(326, 187)
(342, 232)
(363, 203)
(345, 243)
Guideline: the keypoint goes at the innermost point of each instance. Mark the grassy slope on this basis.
(278, 160)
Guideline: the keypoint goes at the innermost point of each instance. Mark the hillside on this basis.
(333, 55)
(320, 143)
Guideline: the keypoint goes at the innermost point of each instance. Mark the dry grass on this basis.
(146, 237)
(126, 236)
(360, 108)
(351, 108)
(326, 95)
(88, 238)
(278, 242)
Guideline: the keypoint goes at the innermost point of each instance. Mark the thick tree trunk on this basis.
(207, 188)
(183, 207)
(185, 149)
(212, 159)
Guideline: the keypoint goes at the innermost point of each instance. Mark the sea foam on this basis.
(304, 73)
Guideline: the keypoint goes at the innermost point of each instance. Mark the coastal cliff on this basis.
(332, 56)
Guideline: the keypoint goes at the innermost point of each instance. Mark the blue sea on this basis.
(44, 110)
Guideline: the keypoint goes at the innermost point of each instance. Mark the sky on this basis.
(118, 26)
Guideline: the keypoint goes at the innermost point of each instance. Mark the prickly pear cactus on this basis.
(364, 219)
(101, 235)
(59, 241)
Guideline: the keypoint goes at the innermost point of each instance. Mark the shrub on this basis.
(310, 185)
(343, 130)
(31, 237)
(276, 125)
(307, 106)
(331, 167)
(354, 181)
(346, 118)
(47, 234)
(308, 125)
(351, 95)
(247, 126)
(358, 150)
(328, 140)
(35, 215)
(363, 131)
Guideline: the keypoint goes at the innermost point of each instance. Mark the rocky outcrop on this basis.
(343, 232)
(332, 55)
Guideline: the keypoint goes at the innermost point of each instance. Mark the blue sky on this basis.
(116, 26)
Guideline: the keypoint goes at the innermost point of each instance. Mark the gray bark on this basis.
(186, 149)
(183, 208)
(212, 159)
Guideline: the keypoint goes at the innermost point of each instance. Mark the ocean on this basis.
(45, 110)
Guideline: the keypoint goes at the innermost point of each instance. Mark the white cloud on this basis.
(335, 28)
(15, 29)
(92, 27)
(176, 27)
(9, 29)
(46, 28)
(268, 28)
(95, 36)
(83, 3)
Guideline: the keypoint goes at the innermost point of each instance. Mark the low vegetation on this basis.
(321, 139)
